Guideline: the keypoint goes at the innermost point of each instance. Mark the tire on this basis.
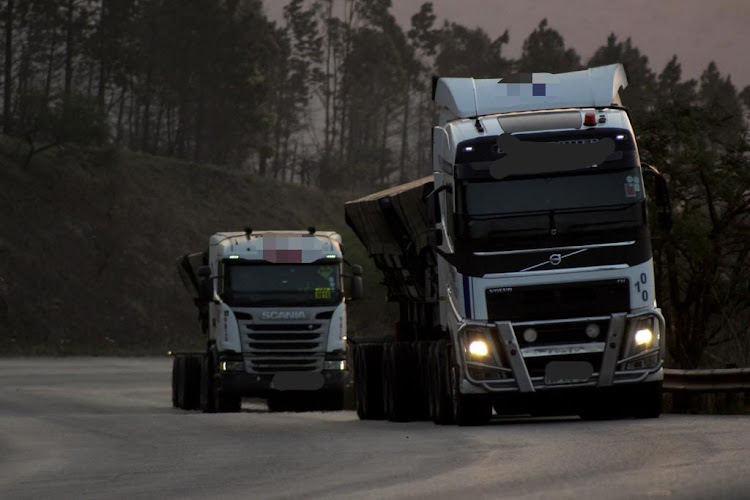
(467, 410)
(421, 375)
(175, 384)
(181, 364)
(647, 400)
(399, 381)
(442, 413)
(189, 383)
(211, 399)
(369, 381)
(207, 399)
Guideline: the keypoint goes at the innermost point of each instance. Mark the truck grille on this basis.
(562, 333)
(558, 301)
(282, 347)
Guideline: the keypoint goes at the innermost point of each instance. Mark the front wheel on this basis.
(212, 397)
(468, 409)
(646, 400)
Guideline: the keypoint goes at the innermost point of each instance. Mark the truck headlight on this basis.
(479, 348)
(644, 337)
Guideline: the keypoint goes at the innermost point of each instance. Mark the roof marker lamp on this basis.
(589, 119)
(234, 257)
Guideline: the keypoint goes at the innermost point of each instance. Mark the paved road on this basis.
(105, 428)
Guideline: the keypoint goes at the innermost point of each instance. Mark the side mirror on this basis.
(356, 283)
(356, 290)
(661, 197)
(206, 285)
(434, 237)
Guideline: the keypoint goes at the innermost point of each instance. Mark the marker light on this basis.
(643, 337)
(469, 149)
(620, 137)
(234, 256)
(592, 330)
(530, 335)
(589, 119)
(479, 348)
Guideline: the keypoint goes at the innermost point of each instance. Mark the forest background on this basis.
(133, 129)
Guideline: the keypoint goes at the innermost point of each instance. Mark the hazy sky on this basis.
(698, 31)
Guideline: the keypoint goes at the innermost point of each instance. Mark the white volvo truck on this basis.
(523, 266)
(273, 309)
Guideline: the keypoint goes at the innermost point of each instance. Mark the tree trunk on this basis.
(69, 50)
(404, 140)
(8, 80)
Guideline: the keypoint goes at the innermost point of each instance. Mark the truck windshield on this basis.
(280, 284)
(586, 190)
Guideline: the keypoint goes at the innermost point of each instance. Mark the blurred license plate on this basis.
(567, 372)
(297, 381)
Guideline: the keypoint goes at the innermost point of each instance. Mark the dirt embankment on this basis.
(88, 244)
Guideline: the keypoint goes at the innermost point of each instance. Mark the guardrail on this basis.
(718, 380)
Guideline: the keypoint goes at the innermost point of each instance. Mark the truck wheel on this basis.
(175, 379)
(399, 381)
(421, 375)
(369, 380)
(189, 383)
(442, 412)
(207, 384)
(468, 410)
(181, 363)
(646, 400)
(359, 375)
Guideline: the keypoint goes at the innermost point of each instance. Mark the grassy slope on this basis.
(88, 244)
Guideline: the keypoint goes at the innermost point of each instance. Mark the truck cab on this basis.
(274, 311)
(545, 252)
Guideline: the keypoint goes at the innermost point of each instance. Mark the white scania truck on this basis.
(523, 267)
(273, 308)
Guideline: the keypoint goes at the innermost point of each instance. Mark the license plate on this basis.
(297, 381)
(567, 372)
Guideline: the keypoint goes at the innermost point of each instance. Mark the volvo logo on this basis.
(555, 259)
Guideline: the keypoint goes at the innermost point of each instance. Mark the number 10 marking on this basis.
(642, 281)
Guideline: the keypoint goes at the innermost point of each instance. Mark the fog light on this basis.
(479, 348)
(232, 366)
(643, 337)
(334, 365)
(592, 330)
(530, 335)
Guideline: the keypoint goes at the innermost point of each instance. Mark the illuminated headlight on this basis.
(479, 348)
(644, 337)
(232, 366)
(334, 364)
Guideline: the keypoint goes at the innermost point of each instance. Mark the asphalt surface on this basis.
(105, 428)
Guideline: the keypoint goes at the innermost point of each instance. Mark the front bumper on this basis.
(511, 368)
(262, 385)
